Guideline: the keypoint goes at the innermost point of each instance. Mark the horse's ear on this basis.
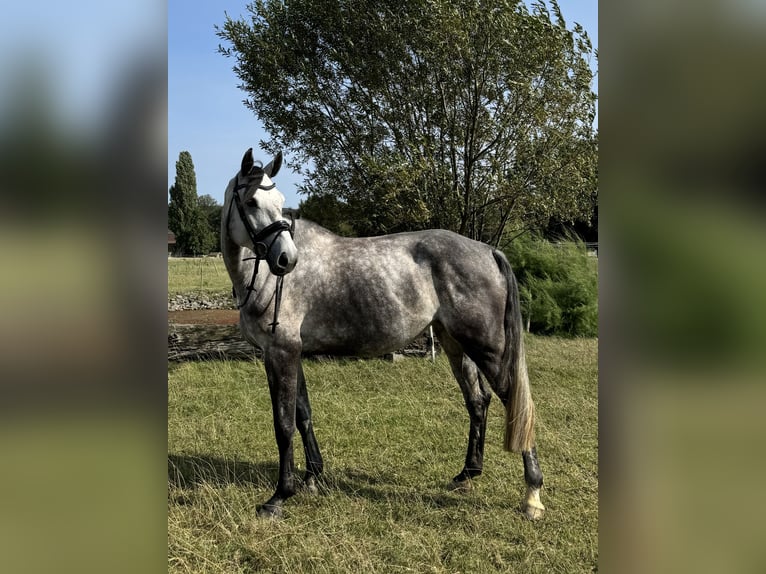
(247, 162)
(272, 168)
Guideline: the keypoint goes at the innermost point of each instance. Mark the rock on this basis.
(186, 301)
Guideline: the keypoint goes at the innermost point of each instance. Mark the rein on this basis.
(260, 247)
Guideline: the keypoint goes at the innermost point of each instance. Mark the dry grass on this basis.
(392, 435)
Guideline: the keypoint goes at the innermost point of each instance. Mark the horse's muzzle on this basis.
(284, 264)
(283, 255)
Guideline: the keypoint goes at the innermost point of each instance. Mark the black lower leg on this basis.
(314, 462)
(281, 370)
(286, 484)
(476, 398)
(533, 476)
(474, 458)
(478, 406)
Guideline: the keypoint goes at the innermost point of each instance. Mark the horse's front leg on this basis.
(282, 364)
(314, 463)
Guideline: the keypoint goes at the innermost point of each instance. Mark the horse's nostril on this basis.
(283, 261)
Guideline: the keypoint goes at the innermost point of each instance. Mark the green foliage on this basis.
(212, 212)
(390, 448)
(328, 212)
(185, 215)
(558, 286)
(463, 114)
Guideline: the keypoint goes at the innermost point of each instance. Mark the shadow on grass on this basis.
(192, 471)
(387, 489)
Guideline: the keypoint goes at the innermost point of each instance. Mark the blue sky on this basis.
(81, 49)
(206, 116)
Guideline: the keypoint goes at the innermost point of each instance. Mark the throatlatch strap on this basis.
(277, 303)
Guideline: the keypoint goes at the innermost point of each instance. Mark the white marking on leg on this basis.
(533, 508)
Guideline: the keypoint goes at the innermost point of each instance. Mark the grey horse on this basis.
(366, 297)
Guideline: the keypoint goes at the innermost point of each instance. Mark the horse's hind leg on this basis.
(314, 463)
(533, 508)
(477, 396)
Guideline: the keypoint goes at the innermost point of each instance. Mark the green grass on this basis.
(197, 275)
(392, 436)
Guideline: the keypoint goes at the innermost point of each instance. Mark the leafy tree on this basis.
(471, 115)
(185, 216)
(212, 212)
(328, 212)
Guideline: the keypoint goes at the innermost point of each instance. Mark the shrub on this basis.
(558, 286)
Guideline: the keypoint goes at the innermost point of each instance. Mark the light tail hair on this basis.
(519, 408)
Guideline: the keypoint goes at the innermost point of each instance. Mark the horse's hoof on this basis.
(270, 511)
(461, 485)
(532, 507)
(534, 512)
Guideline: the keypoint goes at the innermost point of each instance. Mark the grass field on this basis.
(197, 275)
(392, 436)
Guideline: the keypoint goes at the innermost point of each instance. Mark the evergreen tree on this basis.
(212, 212)
(185, 216)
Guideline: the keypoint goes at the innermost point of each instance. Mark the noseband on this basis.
(260, 247)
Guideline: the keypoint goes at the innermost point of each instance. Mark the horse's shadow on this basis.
(192, 471)
(355, 483)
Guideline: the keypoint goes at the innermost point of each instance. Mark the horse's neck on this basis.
(233, 255)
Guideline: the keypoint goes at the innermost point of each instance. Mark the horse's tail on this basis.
(519, 408)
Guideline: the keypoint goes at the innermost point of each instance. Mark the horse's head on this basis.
(258, 223)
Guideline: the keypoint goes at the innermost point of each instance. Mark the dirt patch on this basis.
(204, 317)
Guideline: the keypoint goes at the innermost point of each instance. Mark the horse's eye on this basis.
(251, 202)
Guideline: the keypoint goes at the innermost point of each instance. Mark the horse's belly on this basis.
(378, 305)
(370, 336)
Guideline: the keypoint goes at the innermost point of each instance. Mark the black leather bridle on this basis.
(260, 246)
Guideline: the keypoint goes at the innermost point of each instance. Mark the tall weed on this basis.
(558, 286)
